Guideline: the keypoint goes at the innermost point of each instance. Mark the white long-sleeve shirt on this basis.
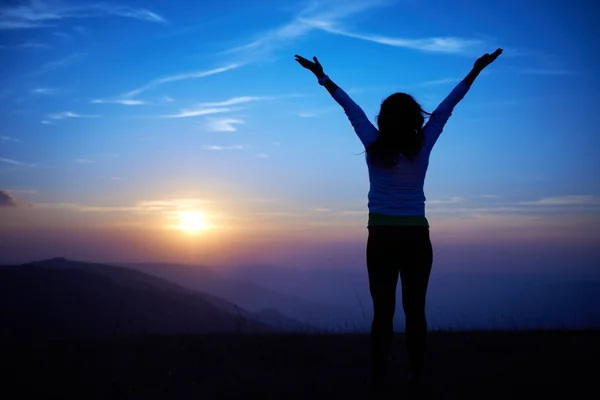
(398, 191)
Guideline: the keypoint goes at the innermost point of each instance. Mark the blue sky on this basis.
(117, 115)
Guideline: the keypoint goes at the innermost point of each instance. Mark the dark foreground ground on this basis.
(473, 365)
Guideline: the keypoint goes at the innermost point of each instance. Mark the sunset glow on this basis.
(192, 221)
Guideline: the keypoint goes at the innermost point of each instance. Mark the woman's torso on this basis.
(396, 194)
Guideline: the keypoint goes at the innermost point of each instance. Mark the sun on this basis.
(191, 221)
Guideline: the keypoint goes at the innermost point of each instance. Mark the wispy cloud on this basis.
(262, 155)
(39, 14)
(452, 45)
(186, 113)
(571, 200)
(141, 14)
(308, 114)
(46, 122)
(224, 124)
(69, 114)
(58, 64)
(332, 17)
(447, 200)
(491, 204)
(232, 101)
(180, 77)
(143, 207)
(6, 200)
(45, 91)
(93, 158)
(15, 162)
(25, 46)
(171, 205)
(9, 139)
(436, 82)
(215, 147)
(126, 102)
(265, 43)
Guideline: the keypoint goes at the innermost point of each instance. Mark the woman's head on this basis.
(400, 122)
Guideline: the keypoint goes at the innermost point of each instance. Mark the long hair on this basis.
(400, 122)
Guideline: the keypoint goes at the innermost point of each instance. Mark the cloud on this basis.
(186, 113)
(82, 207)
(490, 205)
(224, 125)
(308, 115)
(262, 155)
(232, 101)
(38, 14)
(69, 114)
(144, 207)
(46, 122)
(266, 43)
(447, 200)
(126, 102)
(170, 205)
(234, 147)
(15, 162)
(58, 64)
(9, 139)
(571, 200)
(438, 82)
(25, 46)
(331, 17)
(451, 45)
(6, 200)
(141, 14)
(180, 77)
(83, 161)
(45, 91)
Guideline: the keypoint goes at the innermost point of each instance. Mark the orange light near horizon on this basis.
(192, 222)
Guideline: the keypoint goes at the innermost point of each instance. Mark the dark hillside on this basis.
(465, 365)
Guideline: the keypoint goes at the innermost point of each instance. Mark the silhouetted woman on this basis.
(397, 156)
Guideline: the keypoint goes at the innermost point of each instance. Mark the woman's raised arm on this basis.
(366, 132)
(442, 113)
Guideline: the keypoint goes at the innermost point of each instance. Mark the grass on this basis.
(482, 365)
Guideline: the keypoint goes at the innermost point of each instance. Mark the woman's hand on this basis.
(315, 67)
(486, 60)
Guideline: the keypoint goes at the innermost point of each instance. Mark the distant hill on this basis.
(457, 300)
(59, 297)
(248, 295)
